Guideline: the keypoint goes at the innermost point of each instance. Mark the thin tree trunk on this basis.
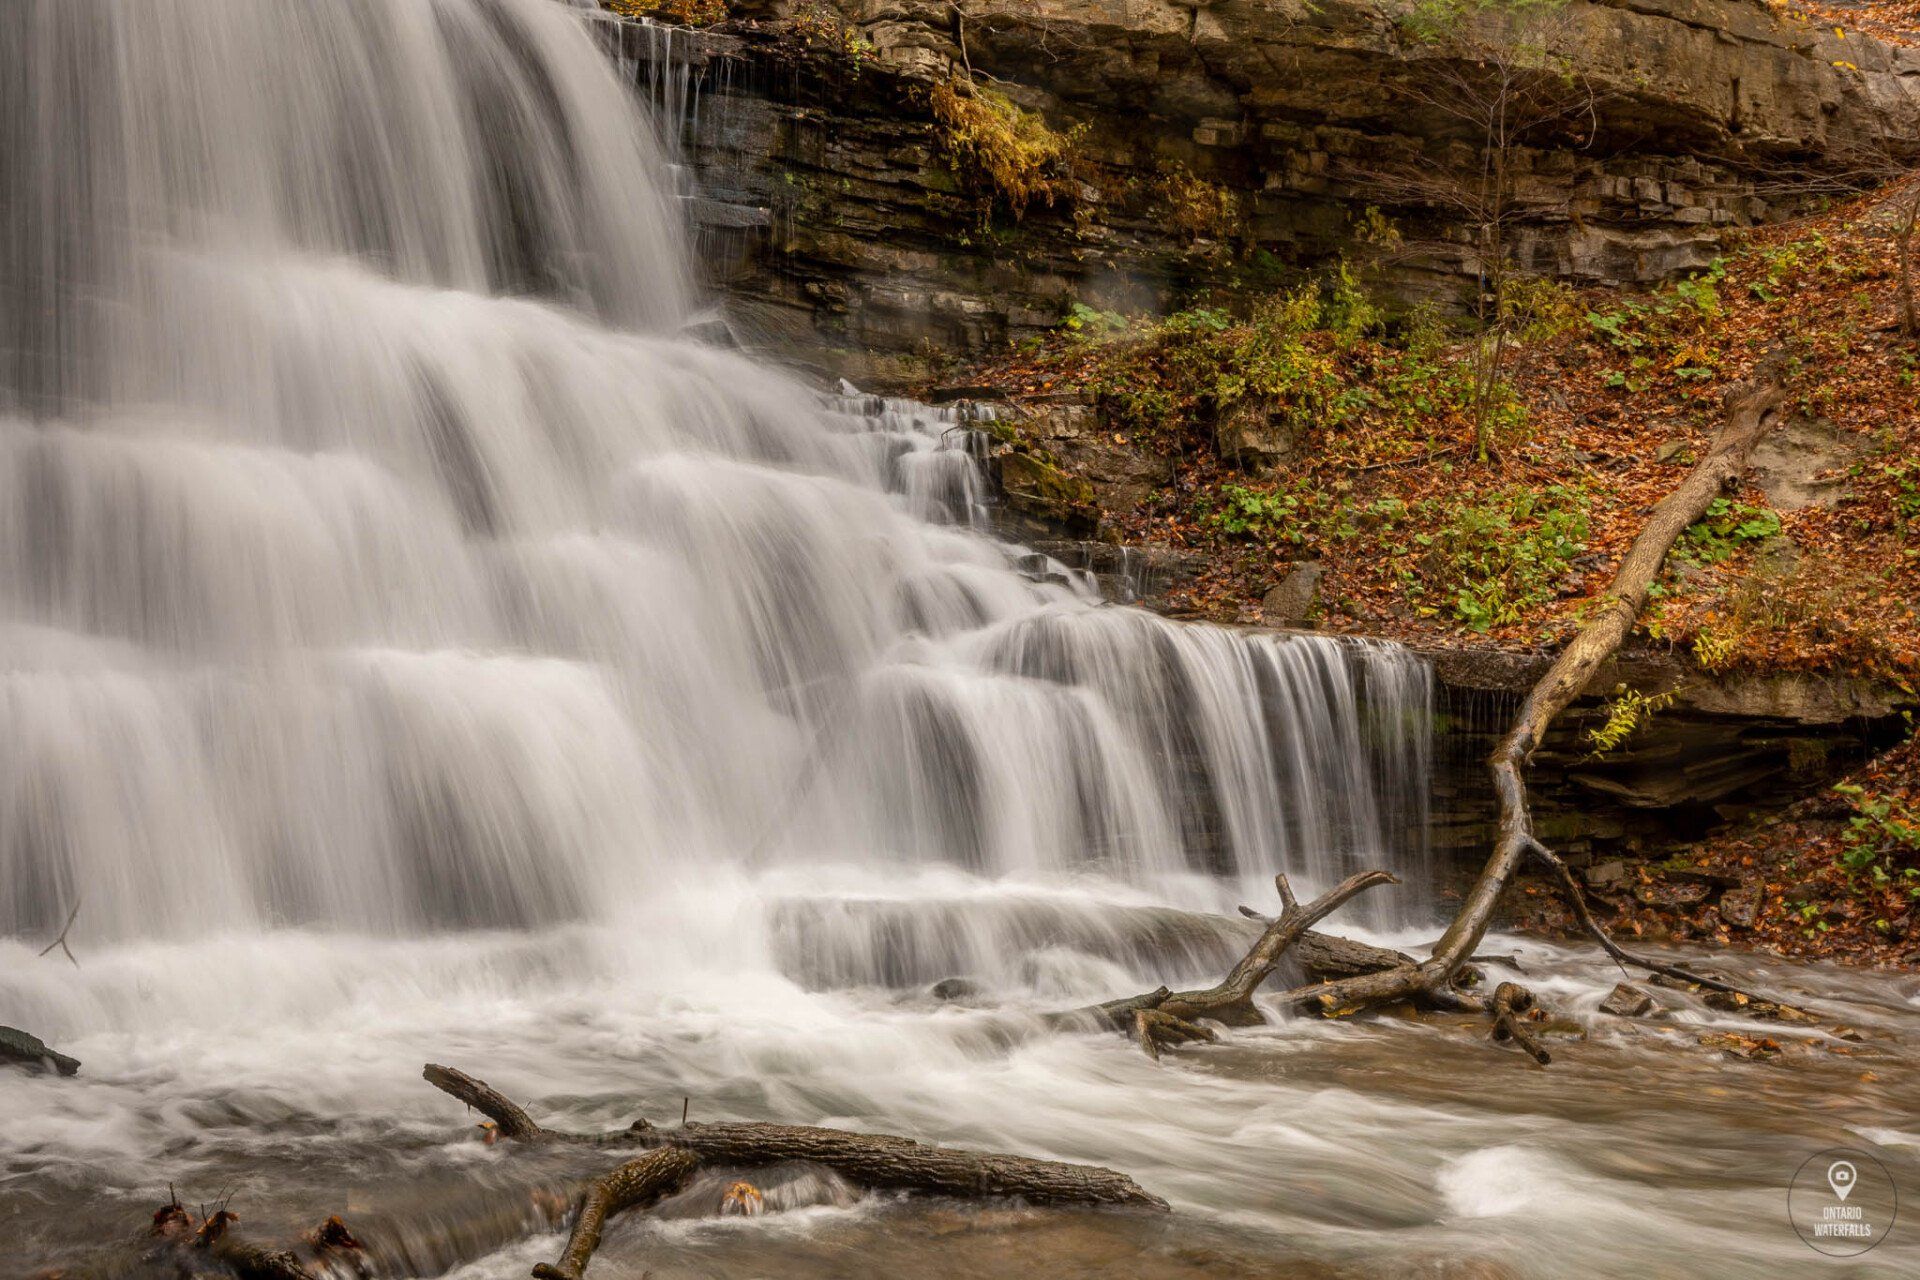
(1903, 240)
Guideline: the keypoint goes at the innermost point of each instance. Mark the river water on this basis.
(415, 647)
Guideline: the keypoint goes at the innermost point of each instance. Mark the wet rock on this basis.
(1739, 907)
(1604, 875)
(1038, 487)
(1627, 1001)
(955, 394)
(1749, 1048)
(19, 1049)
(955, 989)
(1295, 599)
(1764, 1010)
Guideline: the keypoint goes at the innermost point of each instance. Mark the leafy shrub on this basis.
(820, 27)
(694, 13)
(1252, 512)
(1627, 711)
(1726, 528)
(1882, 834)
(1492, 555)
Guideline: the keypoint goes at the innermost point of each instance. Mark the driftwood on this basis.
(1163, 1018)
(1510, 1004)
(635, 1183)
(877, 1161)
(178, 1242)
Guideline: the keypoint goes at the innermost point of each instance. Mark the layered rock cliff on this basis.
(840, 225)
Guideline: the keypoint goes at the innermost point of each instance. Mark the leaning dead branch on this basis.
(1750, 411)
(1623, 957)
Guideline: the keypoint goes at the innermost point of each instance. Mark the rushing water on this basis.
(415, 646)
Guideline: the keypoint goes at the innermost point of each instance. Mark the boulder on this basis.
(1739, 907)
(1256, 436)
(1627, 1001)
(1295, 599)
(955, 989)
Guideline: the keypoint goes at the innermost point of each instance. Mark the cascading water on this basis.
(413, 646)
(383, 563)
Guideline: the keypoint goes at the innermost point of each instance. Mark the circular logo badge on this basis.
(1842, 1202)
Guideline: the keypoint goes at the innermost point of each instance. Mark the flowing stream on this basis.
(416, 645)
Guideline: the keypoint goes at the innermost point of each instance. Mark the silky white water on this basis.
(415, 648)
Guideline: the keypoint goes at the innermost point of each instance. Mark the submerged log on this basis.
(879, 1161)
(20, 1049)
(888, 1163)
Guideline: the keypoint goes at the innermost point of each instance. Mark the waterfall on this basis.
(386, 561)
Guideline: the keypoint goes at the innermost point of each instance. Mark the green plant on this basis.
(1627, 711)
(1091, 323)
(1882, 834)
(1724, 529)
(1492, 555)
(1247, 512)
(1905, 476)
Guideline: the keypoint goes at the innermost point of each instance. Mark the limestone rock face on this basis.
(827, 208)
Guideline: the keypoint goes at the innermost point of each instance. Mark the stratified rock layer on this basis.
(840, 227)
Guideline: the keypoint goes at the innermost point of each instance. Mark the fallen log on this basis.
(878, 1161)
(1750, 411)
(884, 1162)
